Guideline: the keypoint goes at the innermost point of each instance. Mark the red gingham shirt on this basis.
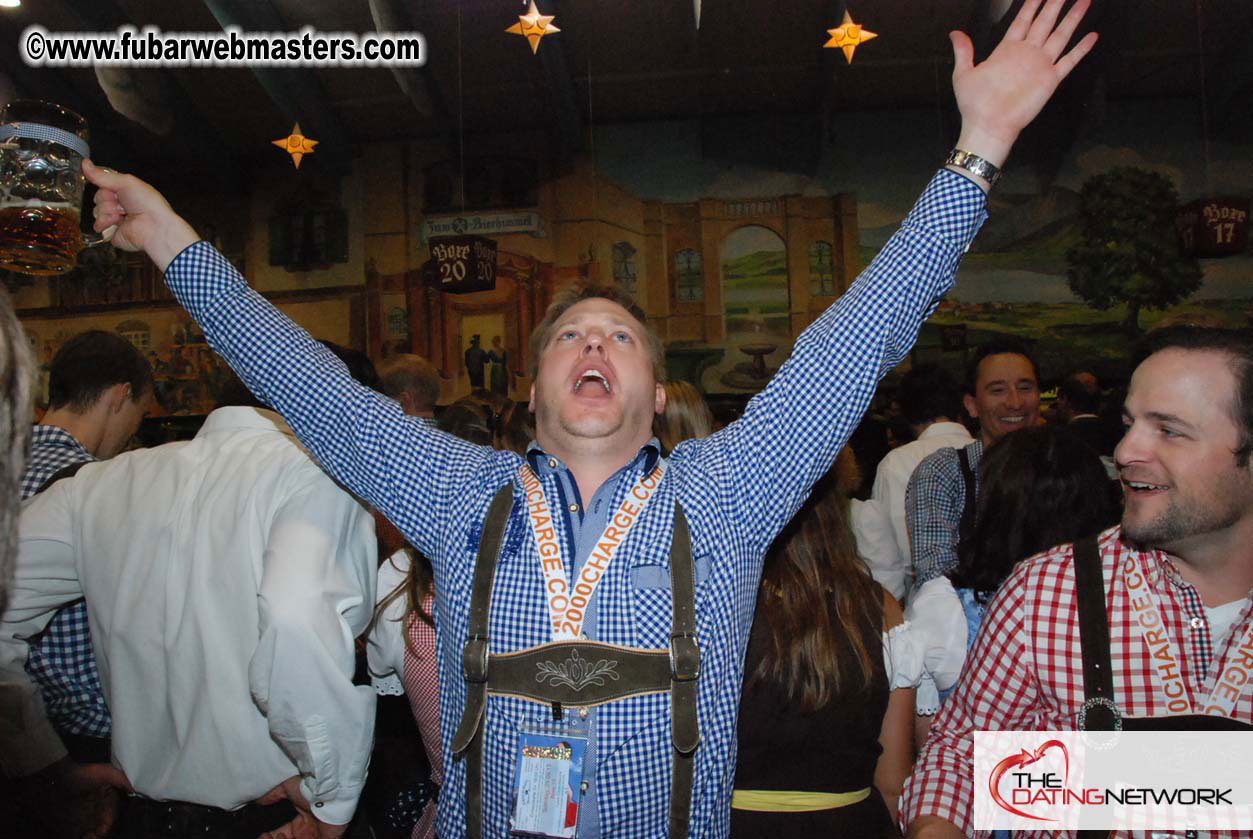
(421, 681)
(1025, 671)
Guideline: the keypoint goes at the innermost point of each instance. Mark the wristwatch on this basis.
(974, 164)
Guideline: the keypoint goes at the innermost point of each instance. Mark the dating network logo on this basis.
(1057, 780)
(1029, 789)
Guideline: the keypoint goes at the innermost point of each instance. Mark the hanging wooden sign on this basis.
(1214, 226)
(463, 264)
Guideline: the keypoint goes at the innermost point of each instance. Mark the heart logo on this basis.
(1025, 758)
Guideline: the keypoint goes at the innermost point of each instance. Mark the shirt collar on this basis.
(1159, 567)
(55, 435)
(936, 429)
(543, 463)
(236, 417)
(1162, 566)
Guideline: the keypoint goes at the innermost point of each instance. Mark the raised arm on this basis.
(791, 432)
(358, 435)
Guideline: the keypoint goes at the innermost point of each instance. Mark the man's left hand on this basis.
(999, 96)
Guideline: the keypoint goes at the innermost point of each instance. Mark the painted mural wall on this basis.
(732, 249)
(1014, 279)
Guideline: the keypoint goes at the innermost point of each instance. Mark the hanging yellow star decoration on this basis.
(296, 144)
(533, 26)
(847, 36)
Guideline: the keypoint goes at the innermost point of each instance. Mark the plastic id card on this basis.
(547, 784)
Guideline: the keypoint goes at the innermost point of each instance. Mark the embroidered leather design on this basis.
(576, 672)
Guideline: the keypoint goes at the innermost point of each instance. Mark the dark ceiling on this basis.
(612, 62)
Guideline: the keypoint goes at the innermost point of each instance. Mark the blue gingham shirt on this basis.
(62, 662)
(934, 501)
(738, 488)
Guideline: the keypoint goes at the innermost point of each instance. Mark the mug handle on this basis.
(92, 240)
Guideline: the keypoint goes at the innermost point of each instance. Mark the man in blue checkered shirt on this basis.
(99, 388)
(1003, 394)
(595, 392)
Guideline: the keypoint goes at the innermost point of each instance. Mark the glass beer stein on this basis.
(42, 146)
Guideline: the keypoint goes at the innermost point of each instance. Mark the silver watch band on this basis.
(974, 164)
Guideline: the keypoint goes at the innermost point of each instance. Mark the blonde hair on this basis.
(686, 416)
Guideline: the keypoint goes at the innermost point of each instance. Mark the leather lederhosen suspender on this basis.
(580, 672)
(1098, 675)
(966, 525)
(1100, 711)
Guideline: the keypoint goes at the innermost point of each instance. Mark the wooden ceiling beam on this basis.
(51, 85)
(417, 83)
(191, 129)
(295, 91)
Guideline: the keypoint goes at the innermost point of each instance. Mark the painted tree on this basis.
(1129, 250)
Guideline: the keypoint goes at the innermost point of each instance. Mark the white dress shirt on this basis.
(226, 578)
(879, 523)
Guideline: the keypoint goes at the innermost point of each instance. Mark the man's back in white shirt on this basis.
(227, 577)
(882, 535)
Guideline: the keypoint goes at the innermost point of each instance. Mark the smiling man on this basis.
(1184, 551)
(1003, 394)
(590, 546)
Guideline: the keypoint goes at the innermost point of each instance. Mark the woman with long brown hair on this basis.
(825, 725)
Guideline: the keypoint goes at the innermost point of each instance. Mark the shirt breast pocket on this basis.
(657, 577)
(650, 593)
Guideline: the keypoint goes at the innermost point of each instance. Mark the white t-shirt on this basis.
(1222, 617)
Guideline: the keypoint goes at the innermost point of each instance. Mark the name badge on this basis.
(547, 784)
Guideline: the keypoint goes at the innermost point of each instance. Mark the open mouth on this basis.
(593, 379)
(1143, 486)
(1014, 420)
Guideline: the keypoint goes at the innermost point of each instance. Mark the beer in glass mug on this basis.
(42, 146)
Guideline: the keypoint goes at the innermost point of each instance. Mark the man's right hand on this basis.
(144, 219)
(304, 826)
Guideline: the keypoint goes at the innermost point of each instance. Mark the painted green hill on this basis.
(759, 269)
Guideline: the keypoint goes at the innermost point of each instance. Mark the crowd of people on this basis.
(607, 616)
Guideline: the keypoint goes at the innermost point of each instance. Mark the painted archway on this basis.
(755, 305)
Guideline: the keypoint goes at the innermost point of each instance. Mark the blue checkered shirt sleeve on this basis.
(62, 661)
(934, 501)
(792, 430)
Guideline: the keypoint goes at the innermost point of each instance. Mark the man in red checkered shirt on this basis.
(1185, 545)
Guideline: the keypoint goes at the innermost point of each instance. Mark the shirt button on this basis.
(583, 713)
(317, 804)
(1197, 623)
(552, 463)
(574, 508)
